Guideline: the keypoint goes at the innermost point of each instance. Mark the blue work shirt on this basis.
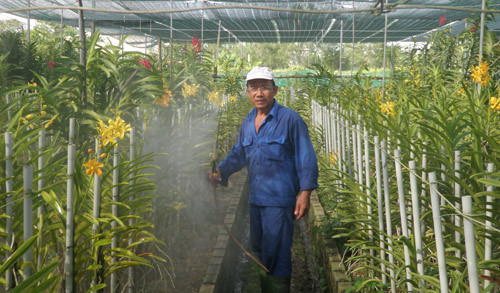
(280, 158)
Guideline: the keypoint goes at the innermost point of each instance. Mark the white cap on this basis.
(259, 72)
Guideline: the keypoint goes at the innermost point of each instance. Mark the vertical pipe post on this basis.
(488, 226)
(9, 186)
(68, 257)
(9, 112)
(423, 192)
(402, 212)
(380, 207)
(438, 234)
(96, 208)
(71, 130)
(172, 40)
(352, 60)
(360, 154)
(131, 221)
(342, 123)
(41, 165)
(354, 151)
(388, 221)
(458, 194)
(83, 57)
(114, 212)
(368, 189)
(470, 244)
(28, 218)
(61, 31)
(341, 46)
(415, 205)
(384, 62)
(348, 144)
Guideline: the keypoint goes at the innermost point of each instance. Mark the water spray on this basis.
(214, 192)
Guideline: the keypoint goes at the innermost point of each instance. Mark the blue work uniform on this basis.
(281, 162)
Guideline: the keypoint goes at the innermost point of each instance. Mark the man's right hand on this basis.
(214, 177)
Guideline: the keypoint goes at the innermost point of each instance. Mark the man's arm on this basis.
(303, 204)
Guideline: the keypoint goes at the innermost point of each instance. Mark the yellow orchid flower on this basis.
(93, 166)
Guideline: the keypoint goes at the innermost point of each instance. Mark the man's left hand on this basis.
(303, 203)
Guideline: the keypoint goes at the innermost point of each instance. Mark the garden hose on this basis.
(214, 193)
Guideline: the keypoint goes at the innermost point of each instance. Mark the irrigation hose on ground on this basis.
(214, 193)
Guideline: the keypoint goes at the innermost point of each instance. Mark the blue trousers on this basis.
(271, 237)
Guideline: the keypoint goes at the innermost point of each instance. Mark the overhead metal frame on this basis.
(256, 21)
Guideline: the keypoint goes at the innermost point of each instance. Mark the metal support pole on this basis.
(415, 204)
(341, 46)
(470, 245)
(9, 186)
(380, 208)
(28, 219)
(488, 225)
(402, 213)
(388, 220)
(114, 212)
(69, 256)
(438, 234)
(41, 166)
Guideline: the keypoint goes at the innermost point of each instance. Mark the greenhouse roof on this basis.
(257, 21)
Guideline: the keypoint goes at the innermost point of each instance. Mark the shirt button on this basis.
(258, 146)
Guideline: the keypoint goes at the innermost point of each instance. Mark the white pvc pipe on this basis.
(423, 192)
(131, 221)
(334, 130)
(443, 176)
(41, 165)
(354, 153)
(415, 203)
(360, 154)
(470, 245)
(402, 212)
(28, 218)
(96, 208)
(9, 112)
(344, 158)
(458, 195)
(438, 234)
(380, 207)
(68, 257)
(388, 221)
(114, 212)
(71, 130)
(9, 186)
(369, 210)
(348, 146)
(488, 226)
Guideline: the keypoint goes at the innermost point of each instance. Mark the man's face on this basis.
(261, 93)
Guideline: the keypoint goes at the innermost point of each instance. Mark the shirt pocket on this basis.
(247, 141)
(274, 148)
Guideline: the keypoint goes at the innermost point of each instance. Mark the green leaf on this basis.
(35, 278)
(17, 255)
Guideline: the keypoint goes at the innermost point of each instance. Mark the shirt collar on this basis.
(274, 109)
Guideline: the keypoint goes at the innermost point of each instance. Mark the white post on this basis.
(342, 120)
(402, 212)
(369, 210)
(380, 207)
(114, 212)
(348, 144)
(41, 165)
(68, 257)
(360, 154)
(96, 208)
(9, 112)
(438, 234)
(131, 221)
(28, 218)
(424, 184)
(488, 226)
(388, 221)
(9, 186)
(458, 194)
(71, 130)
(415, 203)
(354, 152)
(470, 245)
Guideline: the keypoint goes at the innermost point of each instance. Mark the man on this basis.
(275, 147)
